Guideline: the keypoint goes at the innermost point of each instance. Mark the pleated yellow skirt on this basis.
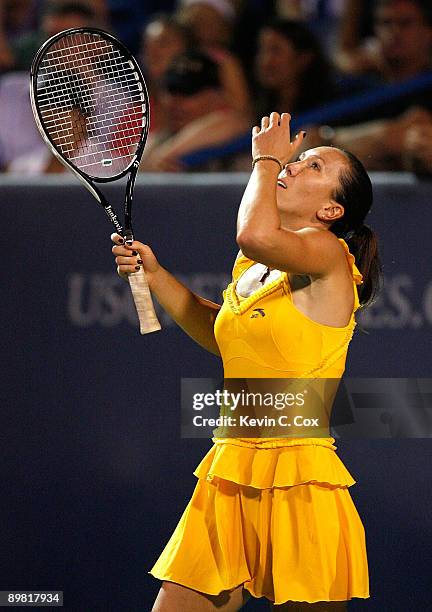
(274, 515)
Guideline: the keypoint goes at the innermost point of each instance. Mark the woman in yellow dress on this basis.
(272, 516)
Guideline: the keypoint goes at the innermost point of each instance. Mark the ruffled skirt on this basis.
(274, 515)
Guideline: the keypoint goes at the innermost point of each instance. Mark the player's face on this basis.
(308, 184)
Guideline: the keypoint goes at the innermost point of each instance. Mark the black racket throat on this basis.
(126, 231)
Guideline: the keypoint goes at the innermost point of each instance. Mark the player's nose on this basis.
(294, 168)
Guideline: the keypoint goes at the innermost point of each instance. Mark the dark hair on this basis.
(355, 194)
(316, 83)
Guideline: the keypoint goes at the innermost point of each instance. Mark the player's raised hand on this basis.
(273, 138)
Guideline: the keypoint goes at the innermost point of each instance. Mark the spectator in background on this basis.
(321, 16)
(383, 137)
(128, 17)
(22, 149)
(18, 133)
(249, 18)
(291, 69)
(19, 27)
(401, 46)
(56, 16)
(211, 23)
(17, 17)
(210, 20)
(164, 37)
(355, 50)
(196, 114)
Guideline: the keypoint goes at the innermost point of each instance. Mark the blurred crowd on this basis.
(356, 74)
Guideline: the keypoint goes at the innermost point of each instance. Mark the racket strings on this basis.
(58, 132)
(89, 99)
(92, 103)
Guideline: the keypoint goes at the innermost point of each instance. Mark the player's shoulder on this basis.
(321, 240)
(324, 249)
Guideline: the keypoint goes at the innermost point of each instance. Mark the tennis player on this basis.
(273, 517)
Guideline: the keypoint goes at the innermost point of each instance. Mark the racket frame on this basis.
(87, 179)
(142, 297)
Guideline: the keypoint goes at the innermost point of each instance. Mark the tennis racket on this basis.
(90, 103)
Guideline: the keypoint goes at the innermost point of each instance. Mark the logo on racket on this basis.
(111, 214)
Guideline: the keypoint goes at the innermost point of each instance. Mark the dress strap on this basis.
(241, 263)
(356, 274)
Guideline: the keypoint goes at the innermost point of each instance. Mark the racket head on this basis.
(90, 102)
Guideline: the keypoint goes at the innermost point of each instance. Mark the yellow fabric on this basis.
(290, 462)
(284, 343)
(273, 514)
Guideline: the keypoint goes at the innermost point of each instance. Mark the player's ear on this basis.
(331, 212)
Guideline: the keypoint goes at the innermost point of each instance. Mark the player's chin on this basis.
(282, 198)
(286, 205)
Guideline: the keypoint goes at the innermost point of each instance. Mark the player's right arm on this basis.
(194, 314)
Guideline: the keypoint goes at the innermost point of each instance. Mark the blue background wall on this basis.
(94, 474)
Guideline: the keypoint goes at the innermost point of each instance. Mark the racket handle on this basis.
(143, 302)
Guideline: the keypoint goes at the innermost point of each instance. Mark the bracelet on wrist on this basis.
(265, 157)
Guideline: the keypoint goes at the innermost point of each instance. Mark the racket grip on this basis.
(143, 302)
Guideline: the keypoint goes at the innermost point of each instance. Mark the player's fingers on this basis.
(121, 270)
(121, 250)
(285, 119)
(255, 130)
(274, 119)
(117, 238)
(146, 255)
(144, 249)
(128, 261)
(301, 135)
(264, 122)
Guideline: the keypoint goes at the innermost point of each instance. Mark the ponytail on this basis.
(363, 244)
(355, 194)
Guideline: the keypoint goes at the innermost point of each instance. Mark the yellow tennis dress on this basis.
(273, 514)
